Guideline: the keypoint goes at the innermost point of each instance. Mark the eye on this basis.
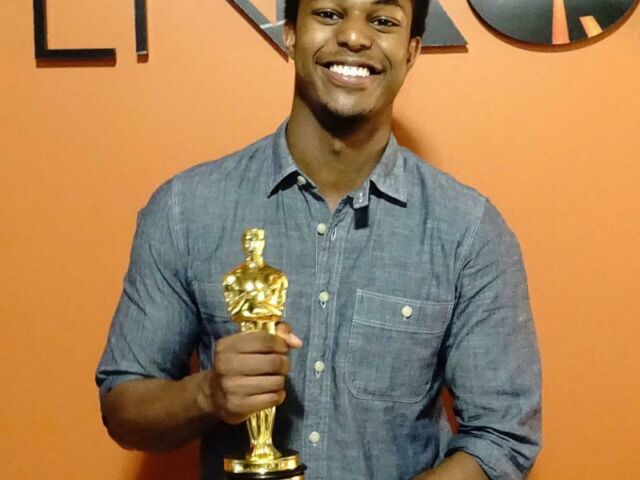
(327, 15)
(385, 22)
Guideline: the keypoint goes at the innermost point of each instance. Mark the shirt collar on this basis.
(282, 164)
(388, 176)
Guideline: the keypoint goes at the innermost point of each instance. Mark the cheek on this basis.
(304, 64)
(396, 50)
(400, 68)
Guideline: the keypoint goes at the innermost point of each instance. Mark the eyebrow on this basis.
(395, 3)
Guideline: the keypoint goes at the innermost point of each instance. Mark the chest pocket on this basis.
(393, 346)
(213, 310)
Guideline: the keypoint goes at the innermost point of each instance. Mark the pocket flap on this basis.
(404, 314)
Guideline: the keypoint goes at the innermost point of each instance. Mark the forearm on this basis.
(159, 415)
(459, 466)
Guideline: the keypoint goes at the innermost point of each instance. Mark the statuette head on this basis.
(253, 242)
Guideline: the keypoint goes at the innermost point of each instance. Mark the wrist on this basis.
(203, 395)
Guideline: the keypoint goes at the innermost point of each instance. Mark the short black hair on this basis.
(420, 9)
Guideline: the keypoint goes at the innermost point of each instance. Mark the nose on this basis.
(353, 34)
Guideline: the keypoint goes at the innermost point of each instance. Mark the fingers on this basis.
(251, 364)
(248, 372)
(236, 397)
(261, 342)
(248, 386)
(241, 407)
(252, 342)
(283, 330)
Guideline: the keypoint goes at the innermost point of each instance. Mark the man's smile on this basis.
(350, 72)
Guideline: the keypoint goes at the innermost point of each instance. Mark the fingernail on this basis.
(296, 340)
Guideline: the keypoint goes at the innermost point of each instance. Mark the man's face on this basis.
(351, 56)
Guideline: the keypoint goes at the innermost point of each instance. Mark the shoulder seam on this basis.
(175, 211)
(473, 235)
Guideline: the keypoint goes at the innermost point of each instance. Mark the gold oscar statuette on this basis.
(255, 294)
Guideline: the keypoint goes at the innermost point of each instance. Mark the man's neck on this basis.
(338, 160)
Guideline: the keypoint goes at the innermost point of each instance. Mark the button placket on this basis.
(317, 385)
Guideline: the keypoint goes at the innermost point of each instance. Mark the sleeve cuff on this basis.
(490, 457)
(111, 381)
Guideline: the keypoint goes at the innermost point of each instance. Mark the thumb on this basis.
(283, 330)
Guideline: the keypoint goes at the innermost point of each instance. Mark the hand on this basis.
(249, 371)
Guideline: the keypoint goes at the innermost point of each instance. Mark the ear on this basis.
(289, 37)
(413, 51)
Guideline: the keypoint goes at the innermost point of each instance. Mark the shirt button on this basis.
(301, 180)
(318, 367)
(322, 228)
(324, 297)
(314, 437)
(406, 311)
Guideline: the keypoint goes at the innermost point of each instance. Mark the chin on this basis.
(347, 112)
(341, 115)
(339, 119)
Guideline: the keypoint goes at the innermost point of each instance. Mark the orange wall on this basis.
(552, 138)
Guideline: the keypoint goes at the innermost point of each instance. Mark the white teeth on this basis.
(349, 71)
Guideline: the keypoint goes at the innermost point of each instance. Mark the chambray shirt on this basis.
(413, 283)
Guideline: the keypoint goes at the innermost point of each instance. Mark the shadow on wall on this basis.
(182, 464)
(405, 136)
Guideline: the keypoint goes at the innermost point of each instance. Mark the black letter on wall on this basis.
(90, 55)
(142, 36)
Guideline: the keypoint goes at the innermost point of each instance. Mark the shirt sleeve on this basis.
(155, 326)
(493, 365)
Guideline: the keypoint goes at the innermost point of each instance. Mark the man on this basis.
(401, 281)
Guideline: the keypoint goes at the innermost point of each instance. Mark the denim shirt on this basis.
(413, 283)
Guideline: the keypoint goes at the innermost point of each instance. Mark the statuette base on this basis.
(286, 467)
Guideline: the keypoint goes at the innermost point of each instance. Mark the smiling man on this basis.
(402, 281)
